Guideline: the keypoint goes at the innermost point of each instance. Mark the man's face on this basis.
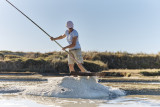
(70, 29)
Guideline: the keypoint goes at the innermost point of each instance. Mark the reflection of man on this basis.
(74, 46)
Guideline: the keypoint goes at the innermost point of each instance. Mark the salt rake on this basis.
(47, 34)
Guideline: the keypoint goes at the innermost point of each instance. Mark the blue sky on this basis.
(103, 25)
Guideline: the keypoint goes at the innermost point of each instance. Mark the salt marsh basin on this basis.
(37, 101)
(137, 94)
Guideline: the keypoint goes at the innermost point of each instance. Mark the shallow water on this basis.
(39, 101)
(34, 94)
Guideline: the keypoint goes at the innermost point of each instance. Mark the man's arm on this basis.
(73, 43)
(57, 38)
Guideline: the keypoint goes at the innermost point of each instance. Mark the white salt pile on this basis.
(74, 87)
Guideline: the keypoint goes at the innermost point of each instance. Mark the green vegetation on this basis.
(124, 60)
(93, 61)
(138, 73)
(55, 62)
(117, 74)
(149, 73)
(1, 56)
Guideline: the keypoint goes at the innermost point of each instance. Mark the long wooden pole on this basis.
(46, 34)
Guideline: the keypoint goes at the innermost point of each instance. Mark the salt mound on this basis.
(74, 87)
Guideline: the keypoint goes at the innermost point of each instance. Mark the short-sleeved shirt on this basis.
(70, 36)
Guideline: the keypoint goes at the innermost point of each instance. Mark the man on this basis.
(74, 47)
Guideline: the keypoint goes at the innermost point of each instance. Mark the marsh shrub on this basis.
(153, 73)
(127, 61)
(11, 66)
(94, 61)
(1, 56)
(54, 66)
(12, 56)
(95, 66)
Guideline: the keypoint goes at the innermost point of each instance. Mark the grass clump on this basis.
(95, 66)
(153, 73)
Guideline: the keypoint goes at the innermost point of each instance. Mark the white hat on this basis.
(69, 24)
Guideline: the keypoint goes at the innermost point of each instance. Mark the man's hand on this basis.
(52, 38)
(64, 48)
